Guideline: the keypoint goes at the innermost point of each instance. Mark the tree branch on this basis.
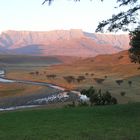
(119, 21)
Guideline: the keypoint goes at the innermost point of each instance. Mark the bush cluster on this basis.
(99, 98)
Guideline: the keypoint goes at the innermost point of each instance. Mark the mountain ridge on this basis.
(72, 42)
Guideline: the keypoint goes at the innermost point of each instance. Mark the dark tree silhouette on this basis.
(121, 20)
(119, 82)
(134, 51)
(123, 93)
(80, 78)
(130, 83)
(69, 79)
(51, 76)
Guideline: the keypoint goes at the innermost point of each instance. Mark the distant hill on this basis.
(61, 42)
(118, 64)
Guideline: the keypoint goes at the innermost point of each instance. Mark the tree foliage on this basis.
(99, 98)
(123, 19)
(134, 51)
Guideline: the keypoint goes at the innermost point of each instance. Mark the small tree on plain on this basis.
(119, 82)
(130, 83)
(123, 93)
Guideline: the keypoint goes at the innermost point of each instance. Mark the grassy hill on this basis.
(120, 122)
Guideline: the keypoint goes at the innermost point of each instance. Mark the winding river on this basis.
(62, 94)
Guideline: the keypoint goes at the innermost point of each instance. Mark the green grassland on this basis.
(119, 122)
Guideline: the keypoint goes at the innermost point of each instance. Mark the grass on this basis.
(120, 122)
(11, 91)
(17, 89)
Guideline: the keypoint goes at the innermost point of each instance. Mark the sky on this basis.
(62, 14)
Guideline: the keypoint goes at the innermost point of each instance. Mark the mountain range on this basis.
(72, 42)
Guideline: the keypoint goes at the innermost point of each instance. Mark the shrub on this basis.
(123, 93)
(105, 76)
(130, 83)
(88, 92)
(51, 76)
(138, 68)
(119, 82)
(106, 98)
(37, 73)
(32, 73)
(81, 104)
(73, 104)
(99, 98)
(94, 99)
(69, 79)
(86, 74)
(114, 100)
(80, 78)
(99, 80)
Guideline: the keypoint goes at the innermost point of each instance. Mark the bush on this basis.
(99, 80)
(69, 79)
(86, 74)
(114, 100)
(73, 104)
(51, 76)
(99, 98)
(37, 72)
(105, 76)
(31, 73)
(81, 104)
(122, 93)
(80, 78)
(130, 83)
(88, 92)
(106, 98)
(138, 68)
(119, 82)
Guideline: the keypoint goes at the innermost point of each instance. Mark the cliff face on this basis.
(61, 42)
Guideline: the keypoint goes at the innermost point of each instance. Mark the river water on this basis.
(63, 95)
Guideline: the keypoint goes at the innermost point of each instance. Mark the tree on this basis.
(130, 83)
(134, 51)
(119, 82)
(122, 20)
(69, 79)
(50, 1)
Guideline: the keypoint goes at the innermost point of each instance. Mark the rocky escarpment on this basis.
(62, 42)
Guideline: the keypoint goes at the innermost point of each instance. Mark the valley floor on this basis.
(103, 72)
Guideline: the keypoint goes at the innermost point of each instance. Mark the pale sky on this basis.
(62, 14)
